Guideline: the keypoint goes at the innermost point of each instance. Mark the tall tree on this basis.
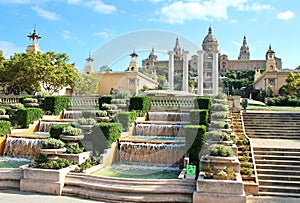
(86, 84)
(293, 84)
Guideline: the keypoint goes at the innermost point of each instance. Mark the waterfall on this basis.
(168, 116)
(159, 130)
(22, 147)
(45, 126)
(72, 114)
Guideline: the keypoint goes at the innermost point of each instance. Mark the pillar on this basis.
(185, 79)
(215, 74)
(200, 72)
(171, 69)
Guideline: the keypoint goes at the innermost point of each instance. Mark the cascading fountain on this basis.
(169, 116)
(70, 114)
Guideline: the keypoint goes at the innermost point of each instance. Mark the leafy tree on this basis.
(293, 84)
(86, 84)
(238, 79)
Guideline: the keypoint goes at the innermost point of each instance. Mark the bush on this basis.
(126, 119)
(218, 135)
(221, 96)
(71, 131)
(195, 136)
(4, 127)
(56, 130)
(93, 113)
(7, 109)
(219, 125)
(55, 104)
(74, 149)
(28, 115)
(199, 117)
(202, 103)
(104, 134)
(284, 101)
(109, 106)
(118, 101)
(89, 162)
(29, 100)
(219, 115)
(221, 150)
(246, 171)
(86, 121)
(52, 143)
(141, 104)
(2, 111)
(16, 106)
(104, 100)
(219, 107)
(55, 164)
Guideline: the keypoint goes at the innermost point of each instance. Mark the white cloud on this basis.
(101, 7)
(106, 33)
(66, 34)
(286, 15)
(46, 14)
(21, 1)
(181, 11)
(9, 49)
(74, 1)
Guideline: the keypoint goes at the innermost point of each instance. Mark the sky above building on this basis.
(110, 30)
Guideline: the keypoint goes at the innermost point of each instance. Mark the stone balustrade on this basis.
(84, 101)
(9, 99)
(172, 102)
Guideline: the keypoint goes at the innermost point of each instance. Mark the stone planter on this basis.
(225, 191)
(71, 139)
(47, 181)
(52, 153)
(4, 117)
(102, 119)
(79, 158)
(31, 105)
(218, 161)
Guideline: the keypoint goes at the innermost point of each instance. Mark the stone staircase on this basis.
(272, 125)
(110, 189)
(277, 156)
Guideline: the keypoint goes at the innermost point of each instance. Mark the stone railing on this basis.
(178, 102)
(84, 101)
(9, 99)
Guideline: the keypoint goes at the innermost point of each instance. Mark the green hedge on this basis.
(28, 115)
(284, 101)
(195, 136)
(56, 130)
(202, 103)
(104, 100)
(140, 104)
(55, 104)
(199, 117)
(126, 119)
(4, 127)
(104, 134)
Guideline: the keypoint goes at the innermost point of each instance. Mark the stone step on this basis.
(273, 137)
(278, 167)
(278, 162)
(278, 153)
(277, 172)
(280, 149)
(113, 196)
(279, 194)
(274, 157)
(276, 128)
(273, 188)
(283, 183)
(278, 177)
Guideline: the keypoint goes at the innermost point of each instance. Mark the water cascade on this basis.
(169, 116)
(45, 126)
(158, 130)
(21, 147)
(72, 114)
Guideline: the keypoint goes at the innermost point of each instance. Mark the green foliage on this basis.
(86, 84)
(71, 131)
(4, 127)
(218, 125)
(202, 103)
(219, 115)
(56, 130)
(16, 106)
(293, 84)
(118, 101)
(30, 100)
(104, 100)
(219, 107)
(55, 164)
(93, 113)
(2, 111)
(89, 162)
(52, 143)
(126, 119)
(74, 149)
(86, 121)
(104, 134)
(246, 171)
(140, 104)
(195, 136)
(109, 107)
(199, 117)
(221, 150)
(238, 79)
(55, 104)
(284, 101)
(28, 115)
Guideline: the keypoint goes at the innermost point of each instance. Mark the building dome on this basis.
(210, 42)
(209, 37)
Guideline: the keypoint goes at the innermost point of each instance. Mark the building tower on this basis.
(89, 66)
(177, 50)
(270, 60)
(133, 65)
(244, 51)
(33, 42)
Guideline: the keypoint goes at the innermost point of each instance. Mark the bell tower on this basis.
(270, 60)
(244, 51)
(133, 65)
(33, 42)
(89, 66)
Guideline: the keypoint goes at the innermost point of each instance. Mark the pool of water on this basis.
(139, 172)
(9, 162)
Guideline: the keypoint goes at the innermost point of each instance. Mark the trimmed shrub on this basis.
(109, 106)
(86, 121)
(221, 96)
(52, 143)
(28, 115)
(221, 150)
(16, 106)
(104, 100)
(141, 104)
(195, 136)
(219, 115)
(219, 107)
(202, 103)
(55, 104)
(284, 101)
(56, 130)
(104, 134)
(199, 117)
(4, 127)
(118, 101)
(126, 119)
(30, 100)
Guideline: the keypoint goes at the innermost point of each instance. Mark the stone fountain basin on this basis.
(52, 151)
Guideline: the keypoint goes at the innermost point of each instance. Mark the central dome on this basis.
(209, 37)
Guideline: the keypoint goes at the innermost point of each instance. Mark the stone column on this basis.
(200, 72)
(215, 74)
(185, 79)
(171, 69)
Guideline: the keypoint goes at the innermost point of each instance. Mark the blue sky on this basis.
(80, 27)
